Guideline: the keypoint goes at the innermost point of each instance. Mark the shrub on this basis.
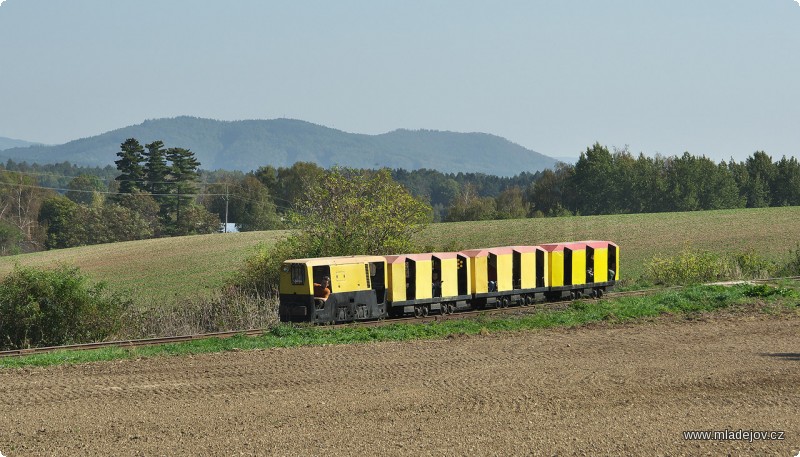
(753, 266)
(260, 274)
(691, 267)
(55, 307)
(792, 266)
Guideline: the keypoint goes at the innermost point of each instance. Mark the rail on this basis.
(530, 309)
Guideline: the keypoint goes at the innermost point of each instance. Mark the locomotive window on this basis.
(298, 274)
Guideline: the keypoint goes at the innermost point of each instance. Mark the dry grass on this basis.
(156, 271)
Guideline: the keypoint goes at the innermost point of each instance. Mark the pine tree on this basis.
(156, 169)
(183, 176)
(131, 156)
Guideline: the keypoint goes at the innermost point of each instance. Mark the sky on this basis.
(719, 78)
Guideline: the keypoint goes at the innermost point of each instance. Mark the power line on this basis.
(58, 189)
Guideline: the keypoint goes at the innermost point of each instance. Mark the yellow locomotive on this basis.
(352, 288)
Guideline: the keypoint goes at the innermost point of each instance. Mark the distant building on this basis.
(231, 227)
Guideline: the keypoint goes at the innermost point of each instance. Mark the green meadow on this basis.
(170, 269)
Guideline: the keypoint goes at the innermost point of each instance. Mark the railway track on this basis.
(518, 310)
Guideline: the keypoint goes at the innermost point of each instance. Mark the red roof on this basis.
(445, 255)
(573, 245)
(524, 249)
(393, 259)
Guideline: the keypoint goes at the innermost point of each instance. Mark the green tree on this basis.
(145, 206)
(593, 182)
(762, 173)
(183, 176)
(550, 194)
(511, 204)
(294, 182)
(196, 220)
(359, 212)
(347, 212)
(86, 189)
(786, 191)
(59, 217)
(469, 206)
(20, 201)
(68, 224)
(10, 238)
(112, 223)
(129, 164)
(253, 206)
(156, 170)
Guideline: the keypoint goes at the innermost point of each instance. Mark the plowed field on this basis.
(594, 390)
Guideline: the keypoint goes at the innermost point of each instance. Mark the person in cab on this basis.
(322, 291)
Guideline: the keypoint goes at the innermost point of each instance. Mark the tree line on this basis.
(157, 191)
(602, 182)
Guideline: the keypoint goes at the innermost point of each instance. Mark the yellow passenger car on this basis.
(421, 283)
(505, 274)
(581, 268)
(356, 289)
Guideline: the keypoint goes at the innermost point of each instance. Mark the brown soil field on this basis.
(596, 390)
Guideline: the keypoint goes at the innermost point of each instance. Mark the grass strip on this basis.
(689, 301)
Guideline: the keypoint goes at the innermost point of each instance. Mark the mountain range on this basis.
(247, 145)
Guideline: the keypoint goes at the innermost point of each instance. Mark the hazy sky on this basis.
(714, 77)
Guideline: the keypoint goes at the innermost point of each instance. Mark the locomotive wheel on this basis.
(506, 302)
(528, 300)
(425, 310)
(418, 311)
(599, 293)
(498, 303)
(451, 308)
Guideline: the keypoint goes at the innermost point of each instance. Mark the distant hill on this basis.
(8, 143)
(247, 145)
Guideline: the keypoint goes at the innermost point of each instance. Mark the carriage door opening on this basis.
(567, 266)
(491, 273)
(589, 264)
(516, 271)
(377, 279)
(539, 268)
(411, 280)
(462, 275)
(612, 262)
(436, 277)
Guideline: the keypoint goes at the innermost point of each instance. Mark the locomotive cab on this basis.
(356, 289)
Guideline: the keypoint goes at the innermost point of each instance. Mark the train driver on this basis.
(322, 291)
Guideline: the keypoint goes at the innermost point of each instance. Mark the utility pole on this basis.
(227, 197)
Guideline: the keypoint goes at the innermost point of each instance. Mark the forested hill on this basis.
(8, 143)
(247, 145)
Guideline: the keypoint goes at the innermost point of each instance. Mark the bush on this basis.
(260, 274)
(792, 266)
(55, 307)
(689, 267)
